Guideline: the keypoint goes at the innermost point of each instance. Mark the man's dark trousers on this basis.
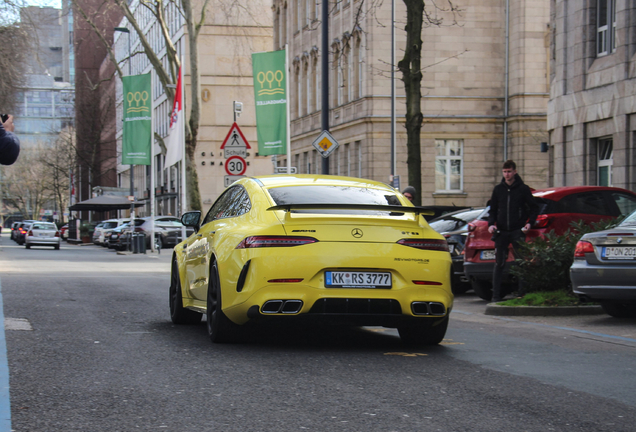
(503, 240)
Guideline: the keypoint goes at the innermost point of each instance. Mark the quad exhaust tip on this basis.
(428, 308)
(282, 307)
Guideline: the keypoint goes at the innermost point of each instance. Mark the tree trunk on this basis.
(410, 66)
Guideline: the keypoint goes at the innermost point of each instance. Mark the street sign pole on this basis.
(325, 76)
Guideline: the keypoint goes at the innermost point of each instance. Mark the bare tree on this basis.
(57, 163)
(14, 49)
(24, 185)
(417, 16)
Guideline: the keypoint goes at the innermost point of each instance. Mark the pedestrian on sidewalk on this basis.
(512, 212)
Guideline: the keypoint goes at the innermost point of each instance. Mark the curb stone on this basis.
(495, 309)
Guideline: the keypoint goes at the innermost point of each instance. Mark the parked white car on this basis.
(107, 227)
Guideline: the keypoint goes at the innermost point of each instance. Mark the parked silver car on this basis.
(42, 234)
(604, 268)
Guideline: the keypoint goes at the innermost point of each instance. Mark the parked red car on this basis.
(558, 208)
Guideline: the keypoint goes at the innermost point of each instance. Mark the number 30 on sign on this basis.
(235, 165)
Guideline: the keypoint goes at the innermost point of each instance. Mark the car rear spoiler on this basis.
(425, 211)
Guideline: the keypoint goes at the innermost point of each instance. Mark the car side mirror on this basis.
(192, 219)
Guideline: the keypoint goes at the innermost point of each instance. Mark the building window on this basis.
(317, 77)
(605, 27)
(308, 86)
(449, 167)
(605, 161)
(299, 92)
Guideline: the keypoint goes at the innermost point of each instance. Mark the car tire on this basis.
(482, 288)
(56, 247)
(619, 309)
(457, 286)
(178, 314)
(28, 246)
(220, 328)
(425, 334)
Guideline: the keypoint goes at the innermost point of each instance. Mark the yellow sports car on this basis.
(336, 249)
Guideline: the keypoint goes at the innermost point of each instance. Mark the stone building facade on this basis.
(592, 106)
(484, 100)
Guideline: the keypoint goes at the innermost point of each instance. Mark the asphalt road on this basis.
(91, 348)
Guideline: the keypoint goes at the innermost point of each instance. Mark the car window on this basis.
(629, 220)
(110, 225)
(44, 226)
(586, 203)
(626, 203)
(233, 202)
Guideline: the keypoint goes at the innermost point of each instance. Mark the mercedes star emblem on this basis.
(356, 232)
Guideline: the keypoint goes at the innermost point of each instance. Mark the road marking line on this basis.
(5, 403)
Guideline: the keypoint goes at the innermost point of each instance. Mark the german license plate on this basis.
(619, 252)
(353, 279)
(487, 255)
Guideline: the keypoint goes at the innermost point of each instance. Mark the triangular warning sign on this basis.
(235, 139)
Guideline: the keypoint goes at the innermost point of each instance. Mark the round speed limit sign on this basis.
(235, 165)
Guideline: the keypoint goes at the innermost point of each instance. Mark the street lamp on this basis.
(132, 182)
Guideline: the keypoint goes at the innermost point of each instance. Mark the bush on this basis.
(545, 262)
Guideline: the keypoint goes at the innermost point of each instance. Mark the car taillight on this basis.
(543, 221)
(420, 282)
(583, 247)
(57, 233)
(284, 280)
(274, 241)
(30, 234)
(471, 227)
(426, 244)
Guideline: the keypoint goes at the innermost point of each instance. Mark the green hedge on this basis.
(545, 261)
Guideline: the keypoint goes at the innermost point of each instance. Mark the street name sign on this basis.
(283, 170)
(229, 179)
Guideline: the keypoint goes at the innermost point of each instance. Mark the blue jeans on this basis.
(502, 242)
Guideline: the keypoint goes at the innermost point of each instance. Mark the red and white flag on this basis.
(176, 135)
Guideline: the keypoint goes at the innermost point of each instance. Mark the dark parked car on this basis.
(558, 208)
(604, 268)
(23, 228)
(167, 231)
(454, 226)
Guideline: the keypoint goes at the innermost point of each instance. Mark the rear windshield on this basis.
(321, 194)
(110, 225)
(629, 220)
(44, 226)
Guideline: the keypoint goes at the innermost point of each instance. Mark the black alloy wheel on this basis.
(179, 314)
(220, 328)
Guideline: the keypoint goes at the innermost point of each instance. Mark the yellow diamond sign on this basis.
(325, 144)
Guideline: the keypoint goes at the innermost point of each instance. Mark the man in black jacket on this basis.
(512, 212)
(9, 143)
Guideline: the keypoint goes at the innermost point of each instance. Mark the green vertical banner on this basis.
(271, 102)
(137, 133)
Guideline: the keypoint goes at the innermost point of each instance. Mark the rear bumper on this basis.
(603, 282)
(42, 241)
(483, 271)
